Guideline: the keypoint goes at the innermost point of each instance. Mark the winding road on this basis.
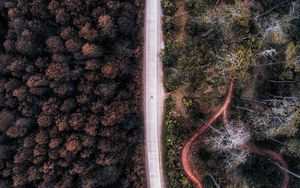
(153, 94)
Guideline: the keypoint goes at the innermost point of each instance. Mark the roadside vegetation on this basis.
(254, 43)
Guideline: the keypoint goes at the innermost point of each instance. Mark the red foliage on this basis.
(61, 83)
(88, 33)
(55, 44)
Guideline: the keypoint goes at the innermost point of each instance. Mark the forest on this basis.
(231, 71)
(70, 93)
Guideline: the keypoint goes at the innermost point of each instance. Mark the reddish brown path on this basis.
(223, 111)
(184, 155)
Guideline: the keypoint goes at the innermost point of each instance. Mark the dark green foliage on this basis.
(132, 121)
(196, 7)
(260, 172)
(174, 140)
(238, 29)
(171, 80)
(171, 53)
(168, 7)
(294, 30)
(269, 3)
(169, 26)
(196, 28)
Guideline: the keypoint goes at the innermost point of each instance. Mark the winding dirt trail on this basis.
(184, 155)
(223, 111)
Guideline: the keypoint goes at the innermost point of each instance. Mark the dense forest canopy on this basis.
(70, 82)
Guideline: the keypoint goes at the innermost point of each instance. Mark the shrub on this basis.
(291, 148)
(292, 59)
(294, 29)
(168, 7)
(173, 141)
(169, 26)
(172, 79)
(281, 119)
(229, 143)
(171, 53)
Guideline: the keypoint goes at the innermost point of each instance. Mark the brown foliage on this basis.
(88, 33)
(106, 26)
(64, 96)
(91, 50)
(20, 128)
(57, 72)
(44, 120)
(6, 120)
(73, 45)
(55, 44)
(109, 70)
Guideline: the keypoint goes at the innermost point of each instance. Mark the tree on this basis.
(27, 44)
(51, 106)
(169, 7)
(132, 121)
(45, 120)
(91, 51)
(68, 105)
(88, 32)
(292, 60)
(37, 80)
(68, 33)
(291, 148)
(20, 128)
(125, 25)
(77, 120)
(281, 119)
(55, 44)
(74, 7)
(39, 9)
(106, 26)
(42, 137)
(229, 144)
(109, 70)
(294, 29)
(7, 118)
(58, 72)
(64, 90)
(61, 16)
(114, 113)
(91, 128)
(53, 6)
(23, 155)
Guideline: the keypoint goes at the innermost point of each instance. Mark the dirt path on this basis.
(184, 155)
(247, 146)
(181, 17)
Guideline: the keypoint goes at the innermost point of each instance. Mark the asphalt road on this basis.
(154, 94)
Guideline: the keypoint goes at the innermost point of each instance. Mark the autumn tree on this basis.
(62, 64)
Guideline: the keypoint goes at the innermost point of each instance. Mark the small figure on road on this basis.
(151, 97)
